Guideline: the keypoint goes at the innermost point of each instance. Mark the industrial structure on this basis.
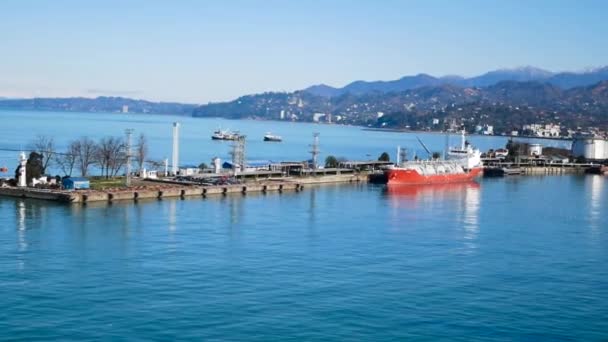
(589, 147)
(535, 150)
(238, 154)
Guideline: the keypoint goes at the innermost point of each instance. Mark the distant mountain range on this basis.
(98, 104)
(506, 105)
(505, 99)
(565, 80)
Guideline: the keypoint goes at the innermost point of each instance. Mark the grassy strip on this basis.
(98, 183)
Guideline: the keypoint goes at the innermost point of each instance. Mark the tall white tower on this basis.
(22, 182)
(175, 156)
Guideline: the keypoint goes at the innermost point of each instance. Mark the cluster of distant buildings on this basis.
(544, 131)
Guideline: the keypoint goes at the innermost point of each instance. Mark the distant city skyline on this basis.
(197, 52)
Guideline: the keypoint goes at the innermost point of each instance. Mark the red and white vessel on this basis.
(463, 164)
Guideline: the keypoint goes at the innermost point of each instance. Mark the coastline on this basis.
(363, 128)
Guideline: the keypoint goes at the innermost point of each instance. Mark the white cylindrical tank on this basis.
(535, 150)
(600, 149)
(590, 147)
(217, 165)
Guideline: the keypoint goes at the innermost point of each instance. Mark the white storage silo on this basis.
(535, 150)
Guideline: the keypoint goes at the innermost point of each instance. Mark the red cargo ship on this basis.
(463, 165)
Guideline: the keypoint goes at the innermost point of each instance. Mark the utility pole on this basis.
(129, 133)
(315, 150)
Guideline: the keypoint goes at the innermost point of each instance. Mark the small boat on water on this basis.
(272, 137)
(220, 134)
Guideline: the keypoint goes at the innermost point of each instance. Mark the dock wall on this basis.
(350, 178)
(552, 170)
(49, 195)
(133, 195)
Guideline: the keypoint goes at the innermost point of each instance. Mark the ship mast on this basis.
(463, 143)
(447, 145)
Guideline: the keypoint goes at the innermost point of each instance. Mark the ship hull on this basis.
(223, 138)
(407, 176)
(273, 139)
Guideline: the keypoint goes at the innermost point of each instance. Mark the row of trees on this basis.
(109, 154)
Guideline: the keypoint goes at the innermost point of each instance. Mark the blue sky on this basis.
(201, 51)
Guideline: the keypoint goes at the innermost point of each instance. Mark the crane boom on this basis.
(424, 146)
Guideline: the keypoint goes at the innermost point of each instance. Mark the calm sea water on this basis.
(520, 258)
(20, 127)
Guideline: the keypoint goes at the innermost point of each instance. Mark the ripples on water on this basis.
(515, 258)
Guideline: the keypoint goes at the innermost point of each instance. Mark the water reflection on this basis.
(595, 186)
(312, 206)
(21, 215)
(28, 215)
(21, 229)
(27, 211)
(172, 215)
(312, 218)
(235, 205)
(408, 195)
(464, 199)
(470, 216)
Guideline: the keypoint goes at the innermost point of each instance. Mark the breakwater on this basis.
(159, 192)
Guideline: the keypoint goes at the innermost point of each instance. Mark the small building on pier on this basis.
(75, 183)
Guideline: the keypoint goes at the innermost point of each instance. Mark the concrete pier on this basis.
(170, 191)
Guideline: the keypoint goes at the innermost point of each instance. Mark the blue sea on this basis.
(518, 258)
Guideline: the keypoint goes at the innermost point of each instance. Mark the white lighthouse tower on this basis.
(22, 181)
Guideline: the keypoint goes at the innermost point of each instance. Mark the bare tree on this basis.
(142, 152)
(85, 150)
(67, 161)
(110, 155)
(45, 146)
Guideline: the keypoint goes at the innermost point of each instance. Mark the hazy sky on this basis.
(200, 51)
